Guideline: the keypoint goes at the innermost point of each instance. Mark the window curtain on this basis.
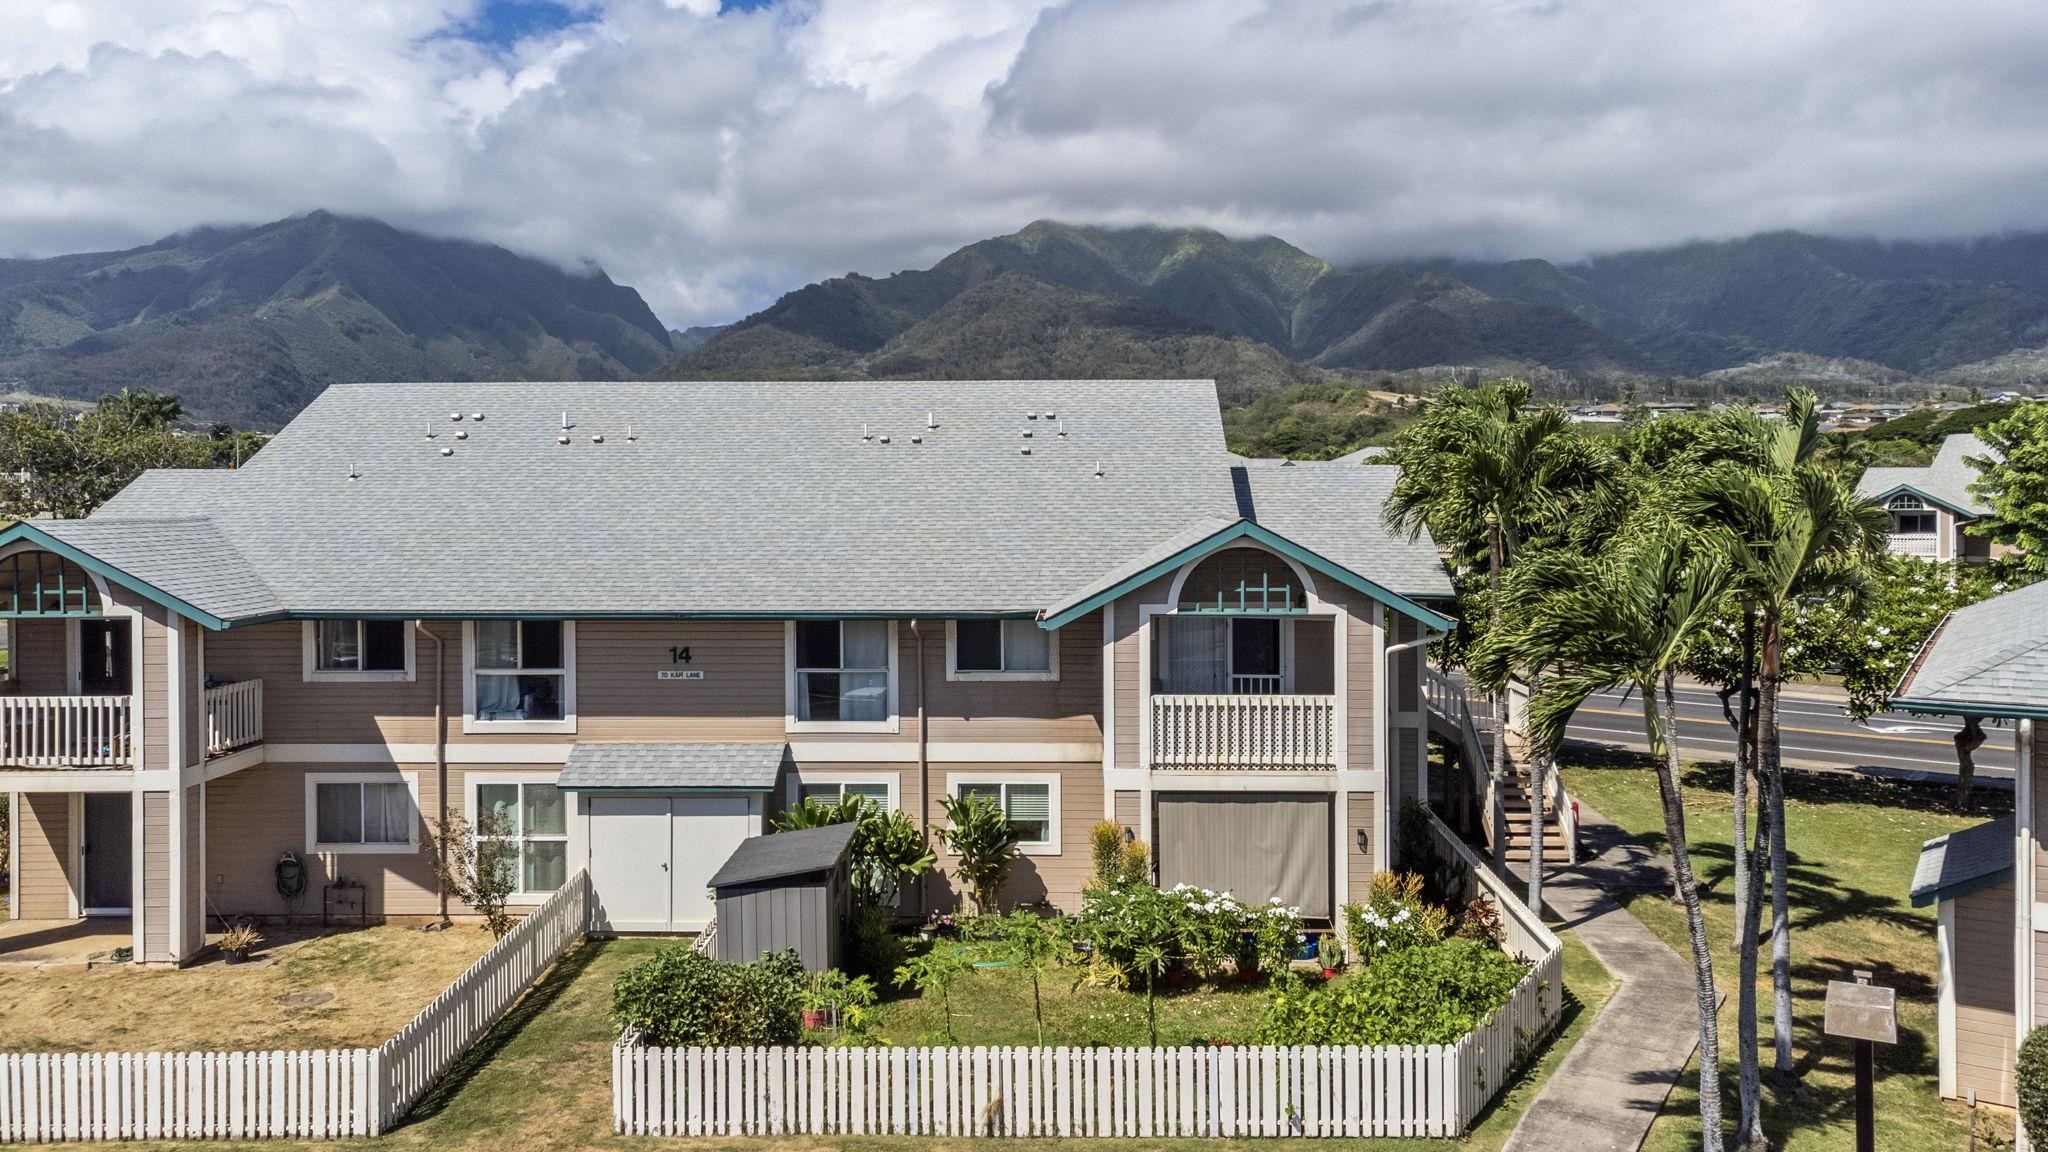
(387, 813)
(864, 683)
(498, 698)
(334, 641)
(1197, 654)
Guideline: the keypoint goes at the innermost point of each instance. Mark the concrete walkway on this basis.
(1604, 1095)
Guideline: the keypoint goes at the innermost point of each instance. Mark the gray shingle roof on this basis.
(742, 498)
(751, 767)
(1989, 655)
(187, 557)
(1946, 481)
(781, 854)
(1962, 861)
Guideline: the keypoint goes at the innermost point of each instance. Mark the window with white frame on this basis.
(361, 812)
(842, 670)
(534, 816)
(358, 650)
(521, 673)
(1001, 650)
(1914, 523)
(1032, 806)
(875, 792)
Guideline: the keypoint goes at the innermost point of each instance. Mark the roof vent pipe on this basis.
(431, 433)
(865, 435)
(566, 425)
(1098, 470)
(931, 421)
(630, 438)
(353, 474)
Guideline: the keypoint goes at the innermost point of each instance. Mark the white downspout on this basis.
(2023, 891)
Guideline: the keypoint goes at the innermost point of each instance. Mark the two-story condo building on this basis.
(637, 619)
(1930, 507)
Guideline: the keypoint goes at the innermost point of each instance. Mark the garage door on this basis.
(1255, 845)
(651, 857)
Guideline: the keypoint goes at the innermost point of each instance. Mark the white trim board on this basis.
(803, 751)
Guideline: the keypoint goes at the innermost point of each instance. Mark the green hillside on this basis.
(247, 325)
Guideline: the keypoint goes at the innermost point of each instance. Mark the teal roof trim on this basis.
(1946, 505)
(24, 530)
(1963, 888)
(1966, 708)
(1249, 530)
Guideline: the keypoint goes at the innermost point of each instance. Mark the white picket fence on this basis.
(329, 1094)
(1235, 1091)
(422, 1050)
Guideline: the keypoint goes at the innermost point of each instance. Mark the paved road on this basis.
(1816, 731)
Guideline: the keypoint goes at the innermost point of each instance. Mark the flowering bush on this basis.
(1210, 925)
(1277, 936)
(1431, 994)
(1394, 917)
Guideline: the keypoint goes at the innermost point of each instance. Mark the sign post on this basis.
(1868, 1015)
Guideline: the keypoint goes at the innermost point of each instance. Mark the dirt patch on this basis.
(346, 989)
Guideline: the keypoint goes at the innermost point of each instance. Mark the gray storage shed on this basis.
(786, 890)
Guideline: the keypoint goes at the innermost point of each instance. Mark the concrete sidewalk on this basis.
(1604, 1095)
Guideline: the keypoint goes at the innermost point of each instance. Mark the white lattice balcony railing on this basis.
(234, 716)
(1255, 732)
(65, 731)
(1926, 545)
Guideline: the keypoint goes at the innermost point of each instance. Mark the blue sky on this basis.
(503, 23)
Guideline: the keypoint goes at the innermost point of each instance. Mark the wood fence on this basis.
(1235, 1091)
(328, 1094)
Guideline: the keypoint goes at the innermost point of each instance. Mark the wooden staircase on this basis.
(1517, 811)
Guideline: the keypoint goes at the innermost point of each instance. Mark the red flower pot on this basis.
(1329, 973)
(814, 1017)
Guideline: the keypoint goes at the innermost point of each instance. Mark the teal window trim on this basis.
(66, 590)
(1934, 501)
(148, 591)
(1247, 530)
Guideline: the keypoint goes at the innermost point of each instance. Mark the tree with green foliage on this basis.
(478, 865)
(981, 834)
(2015, 484)
(887, 847)
(59, 461)
(1621, 618)
(1483, 473)
(1029, 943)
(1791, 529)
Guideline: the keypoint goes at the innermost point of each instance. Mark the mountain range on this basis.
(248, 324)
(1062, 300)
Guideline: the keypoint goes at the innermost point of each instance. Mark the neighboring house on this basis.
(1989, 660)
(1931, 506)
(639, 627)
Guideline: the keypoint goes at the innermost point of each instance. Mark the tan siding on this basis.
(1315, 656)
(1361, 812)
(742, 695)
(195, 869)
(155, 688)
(43, 889)
(1983, 994)
(1131, 693)
(1130, 809)
(39, 662)
(1358, 635)
(156, 876)
(256, 815)
(1058, 879)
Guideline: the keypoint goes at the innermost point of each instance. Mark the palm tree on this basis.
(1790, 528)
(1480, 471)
(1621, 619)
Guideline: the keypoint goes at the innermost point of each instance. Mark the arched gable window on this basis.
(36, 583)
(1243, 581)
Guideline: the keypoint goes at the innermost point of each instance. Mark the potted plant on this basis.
(239, 940)
(1247, 958)
(1330, 954)
(820, 999)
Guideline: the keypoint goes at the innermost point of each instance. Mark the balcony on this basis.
(1266, 733)
(1926, 545)
(234, 717)
(66, 731)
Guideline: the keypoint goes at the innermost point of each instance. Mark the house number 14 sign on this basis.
(679, 656)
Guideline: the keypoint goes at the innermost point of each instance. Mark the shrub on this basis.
(1209, 926)
(887, 846)
(681, 997)
(2031, 1075)
(1432, 994)
(1134, 866)
(872, 950)
(1394, 917)
(934, 972)
(1277, 936)
(851, 1000)
(1118, 924)
(980, 832)
(477, 865)
(1481, 921)
(1106, 846)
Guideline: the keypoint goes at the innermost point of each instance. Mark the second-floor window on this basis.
(358, 650)
(1912, 523)
(1001, 650)
(521, 673)
(842, 671)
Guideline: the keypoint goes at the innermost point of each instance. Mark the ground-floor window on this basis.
(1031, 803)
(357, 812)
(534, 816)
(875, 792)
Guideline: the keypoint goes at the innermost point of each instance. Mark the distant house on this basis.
(1931, 506)
(1989, 660)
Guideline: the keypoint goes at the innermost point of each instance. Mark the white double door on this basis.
(651, 857)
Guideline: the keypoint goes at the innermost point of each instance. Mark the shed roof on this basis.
(1963, 862)
(783, 854)
(1989, 659)
(750, 767)
(1946, 481)
(730, 500)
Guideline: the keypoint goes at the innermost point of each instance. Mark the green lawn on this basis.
(1852, 846)
(542, 1079)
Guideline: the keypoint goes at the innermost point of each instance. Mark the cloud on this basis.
(713, 160)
